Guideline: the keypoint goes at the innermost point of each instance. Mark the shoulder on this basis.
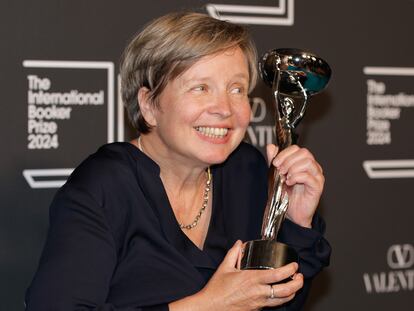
(108, 159)
(113, 154)
(107, 168)
(100, 187)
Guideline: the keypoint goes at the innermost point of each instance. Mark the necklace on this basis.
(203, 207)
(205, 196)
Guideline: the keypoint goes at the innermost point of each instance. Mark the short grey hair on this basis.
(167, 47)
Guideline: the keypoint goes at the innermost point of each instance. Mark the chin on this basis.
(217, 158)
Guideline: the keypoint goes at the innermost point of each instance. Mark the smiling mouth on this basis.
(212, 132)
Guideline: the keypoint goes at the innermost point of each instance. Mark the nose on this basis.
(221, 106)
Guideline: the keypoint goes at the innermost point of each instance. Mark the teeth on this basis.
(213, 132)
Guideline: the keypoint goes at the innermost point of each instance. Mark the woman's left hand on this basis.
(304, 180)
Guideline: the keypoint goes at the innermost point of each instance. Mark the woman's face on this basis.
(203, 114)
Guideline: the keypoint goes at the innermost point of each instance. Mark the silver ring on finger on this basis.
(272, 292)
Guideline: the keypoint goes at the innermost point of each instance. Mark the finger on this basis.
(300, 165)
(297, 275)
(287, 151)
(267, 299)
(271, 152)
(293, 157)
(276, 275)
(283, 154)
(299, 155)
(232, 256)
(289, 288)
(311, 182)
(278, 301)
(241, 252)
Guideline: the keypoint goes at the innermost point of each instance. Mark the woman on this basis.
(157, 223)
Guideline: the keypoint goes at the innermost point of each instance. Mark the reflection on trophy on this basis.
(294, 75)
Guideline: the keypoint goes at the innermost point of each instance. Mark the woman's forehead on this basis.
(230, 63)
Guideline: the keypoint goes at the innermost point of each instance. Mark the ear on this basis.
(146, 106)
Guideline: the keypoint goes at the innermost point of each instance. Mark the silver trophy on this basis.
(294, 76)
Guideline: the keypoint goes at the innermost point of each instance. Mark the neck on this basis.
(187, 186)
(177, 174)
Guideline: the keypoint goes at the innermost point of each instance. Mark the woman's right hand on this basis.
(244, 290)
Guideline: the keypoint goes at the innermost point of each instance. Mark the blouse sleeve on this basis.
(313, 249)
(314, 252)
(78, 259)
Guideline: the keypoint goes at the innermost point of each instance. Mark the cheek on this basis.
(243, 115)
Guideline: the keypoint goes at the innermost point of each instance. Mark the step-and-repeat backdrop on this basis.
(60, 102)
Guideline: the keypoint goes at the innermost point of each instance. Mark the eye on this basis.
(237, 90)
(200, 88)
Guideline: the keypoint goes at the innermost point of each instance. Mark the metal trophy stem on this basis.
(294, 75)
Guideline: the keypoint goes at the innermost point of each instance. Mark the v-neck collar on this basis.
(215, 244)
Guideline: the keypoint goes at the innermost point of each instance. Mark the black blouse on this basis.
(115, 244)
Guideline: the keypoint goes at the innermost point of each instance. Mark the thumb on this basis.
(271, 152)
(232, 256)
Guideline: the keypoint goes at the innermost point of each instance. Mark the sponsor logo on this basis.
(55, 97)
(281, 14)
(400, 259)
(383, 109)
(259, 135)
(400, 256)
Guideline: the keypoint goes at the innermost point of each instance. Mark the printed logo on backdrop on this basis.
(258, 133)
(398, 277)
(276, 12)
(385, 106)
(70, 112)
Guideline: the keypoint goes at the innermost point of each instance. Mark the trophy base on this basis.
(266, 254)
